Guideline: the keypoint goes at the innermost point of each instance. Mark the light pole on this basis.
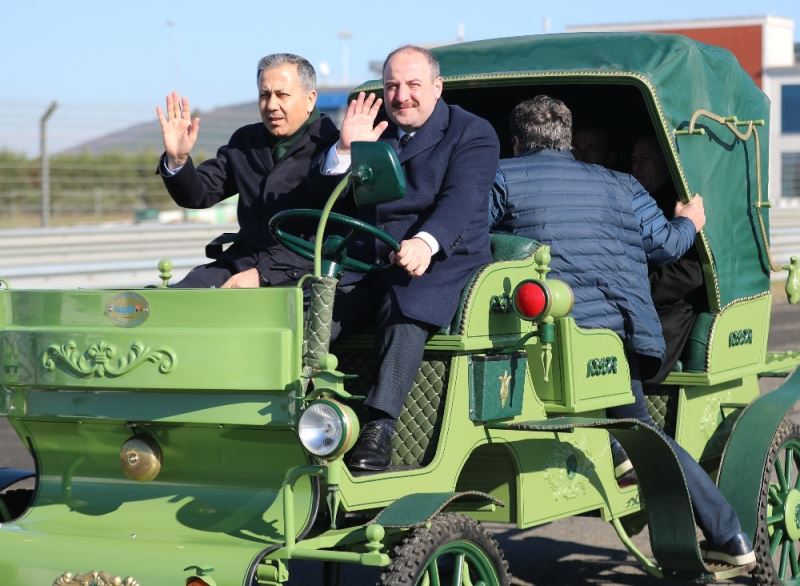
(345, 36)
(45, 160)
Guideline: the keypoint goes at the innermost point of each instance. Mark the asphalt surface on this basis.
(577, 551)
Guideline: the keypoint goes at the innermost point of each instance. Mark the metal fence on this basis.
(82, 189)
(101, 160)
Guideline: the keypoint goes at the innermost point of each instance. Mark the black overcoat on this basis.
(246, 166)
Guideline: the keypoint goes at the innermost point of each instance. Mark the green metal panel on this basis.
(496, 385)
(208, 374)
(229, 408)
(61, 339)
(738, 337)
(707, 415)
(589, 370)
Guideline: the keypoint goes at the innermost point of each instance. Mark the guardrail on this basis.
(107, 256)
(125, 256)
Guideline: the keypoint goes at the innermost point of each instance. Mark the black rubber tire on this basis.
(16, 502)
(411, 556)
(766, 572)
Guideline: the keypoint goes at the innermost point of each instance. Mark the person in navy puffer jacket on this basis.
(603, 228)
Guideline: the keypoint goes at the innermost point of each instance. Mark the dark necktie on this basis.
(403, 142)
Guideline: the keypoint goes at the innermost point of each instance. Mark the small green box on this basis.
(497, 382)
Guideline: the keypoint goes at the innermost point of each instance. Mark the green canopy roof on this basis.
(677, 76)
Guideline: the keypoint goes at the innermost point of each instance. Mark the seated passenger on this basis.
(266, 163)
(603, 228)
(677, 288)
(449, 157)
(592, 144)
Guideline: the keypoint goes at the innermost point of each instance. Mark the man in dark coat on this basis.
(678, 288)
(603, 228)
(449, 157)
(268, 164)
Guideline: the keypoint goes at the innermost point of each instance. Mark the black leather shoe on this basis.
(737, 551)
(373, 450)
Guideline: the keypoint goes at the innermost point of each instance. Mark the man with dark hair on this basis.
(603, 228)
(449, 158)
(593, 144)
(268, 164)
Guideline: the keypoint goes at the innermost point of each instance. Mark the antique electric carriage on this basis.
(191, 437)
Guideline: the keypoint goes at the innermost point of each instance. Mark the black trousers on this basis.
(205, 276)
(277, 266)
(399, 341)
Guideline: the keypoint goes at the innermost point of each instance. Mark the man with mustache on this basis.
(267, 164)
(449, 158)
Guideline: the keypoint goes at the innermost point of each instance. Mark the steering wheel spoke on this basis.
(334, 248)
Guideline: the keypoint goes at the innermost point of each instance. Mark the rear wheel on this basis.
(777, 540)
(453, 550)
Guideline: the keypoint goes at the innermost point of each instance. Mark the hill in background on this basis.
(216, 127)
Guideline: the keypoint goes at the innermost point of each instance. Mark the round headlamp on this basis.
(328, 428)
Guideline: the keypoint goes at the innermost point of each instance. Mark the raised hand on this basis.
(359, 122)
(178, 130)
(244, 280)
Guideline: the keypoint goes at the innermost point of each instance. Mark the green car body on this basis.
(164, 422)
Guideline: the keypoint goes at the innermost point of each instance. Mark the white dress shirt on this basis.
(336, 164)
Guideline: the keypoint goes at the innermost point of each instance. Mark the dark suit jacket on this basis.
(449, 166)
(246, 166)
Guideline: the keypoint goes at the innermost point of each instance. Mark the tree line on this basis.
(83, 187)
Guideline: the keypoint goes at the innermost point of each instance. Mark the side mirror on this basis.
(376, 175)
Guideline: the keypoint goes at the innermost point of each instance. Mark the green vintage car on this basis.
(196, 437)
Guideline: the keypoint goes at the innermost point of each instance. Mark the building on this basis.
(766, 49)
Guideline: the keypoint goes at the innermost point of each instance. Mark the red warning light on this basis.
(531, 300)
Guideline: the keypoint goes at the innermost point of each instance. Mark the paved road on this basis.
(575, 552)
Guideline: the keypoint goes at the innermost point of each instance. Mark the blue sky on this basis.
(109, 64)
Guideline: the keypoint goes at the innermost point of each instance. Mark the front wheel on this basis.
(777, 539)
(454, 550)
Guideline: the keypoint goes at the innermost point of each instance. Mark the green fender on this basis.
(417, 509)
(661, 484)
(745, 456)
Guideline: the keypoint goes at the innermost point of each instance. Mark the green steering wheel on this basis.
(334, 247)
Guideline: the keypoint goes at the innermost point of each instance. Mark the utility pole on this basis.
(45, 164)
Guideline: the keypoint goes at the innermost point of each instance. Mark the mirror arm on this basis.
(323, 221)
